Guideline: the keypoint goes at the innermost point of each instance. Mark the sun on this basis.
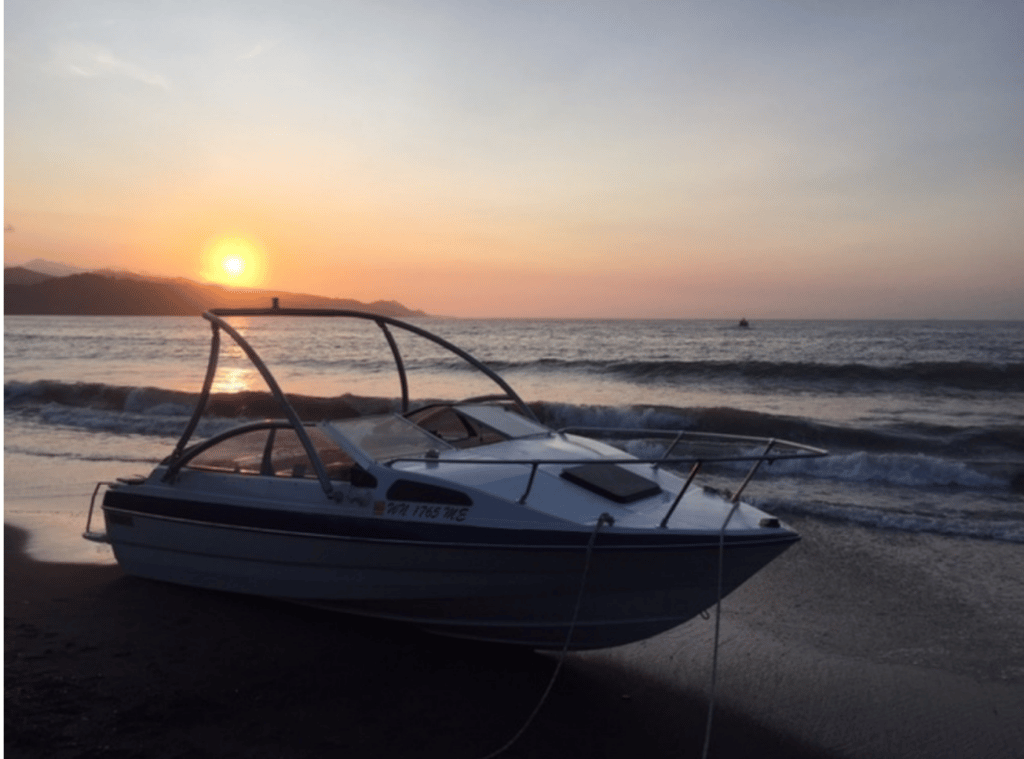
(233, 265)
(234, 261)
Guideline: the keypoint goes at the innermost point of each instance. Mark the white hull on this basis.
(523, 594)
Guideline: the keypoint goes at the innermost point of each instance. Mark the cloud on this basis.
(89, 61)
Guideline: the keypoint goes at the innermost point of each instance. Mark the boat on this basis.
(469, 518)
(744, 324)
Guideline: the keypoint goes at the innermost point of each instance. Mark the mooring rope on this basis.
(718, 627)
(601, 521)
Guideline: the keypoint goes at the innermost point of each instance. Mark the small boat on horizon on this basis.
(468, 518)
(744, 324)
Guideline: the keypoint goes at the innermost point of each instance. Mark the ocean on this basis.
(924, 421)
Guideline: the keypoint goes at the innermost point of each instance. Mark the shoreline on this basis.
(852, 644)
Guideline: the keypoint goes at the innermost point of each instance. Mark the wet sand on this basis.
(854, 644)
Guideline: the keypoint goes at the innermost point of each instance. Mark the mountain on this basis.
(19, 275)
(124, 294)
(52, 268)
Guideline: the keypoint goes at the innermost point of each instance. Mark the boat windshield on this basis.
(271, 451)
(389, 437)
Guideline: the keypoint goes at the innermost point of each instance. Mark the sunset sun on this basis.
(233, 265)
(234, 261)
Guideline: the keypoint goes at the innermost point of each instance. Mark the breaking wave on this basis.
(963, 375)
(918, 438)
(97, 405)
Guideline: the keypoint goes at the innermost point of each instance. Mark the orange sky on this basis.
(531, 159)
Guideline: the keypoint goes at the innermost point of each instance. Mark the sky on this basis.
(531, 158)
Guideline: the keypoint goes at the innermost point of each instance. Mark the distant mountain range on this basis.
(27, 290)
(52, 268)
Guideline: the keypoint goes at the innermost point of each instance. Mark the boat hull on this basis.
(511, 586)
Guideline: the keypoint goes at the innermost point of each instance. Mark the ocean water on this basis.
(924, 421)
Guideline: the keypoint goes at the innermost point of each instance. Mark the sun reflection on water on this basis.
(236, 380)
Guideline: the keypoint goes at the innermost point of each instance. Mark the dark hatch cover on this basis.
(612, 482)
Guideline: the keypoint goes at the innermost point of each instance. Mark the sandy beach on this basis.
(853, 644)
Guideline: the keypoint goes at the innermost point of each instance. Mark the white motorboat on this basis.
(469, 518)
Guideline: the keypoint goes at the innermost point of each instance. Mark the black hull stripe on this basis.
(381, 528)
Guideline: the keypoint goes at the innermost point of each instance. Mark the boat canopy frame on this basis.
(218, 323)
(774, 448)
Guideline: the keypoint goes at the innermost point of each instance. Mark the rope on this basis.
(601, 521)
(718, 627)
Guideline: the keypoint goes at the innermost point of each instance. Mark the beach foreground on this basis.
(854, 643)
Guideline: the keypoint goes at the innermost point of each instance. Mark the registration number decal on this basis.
(425, 511)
